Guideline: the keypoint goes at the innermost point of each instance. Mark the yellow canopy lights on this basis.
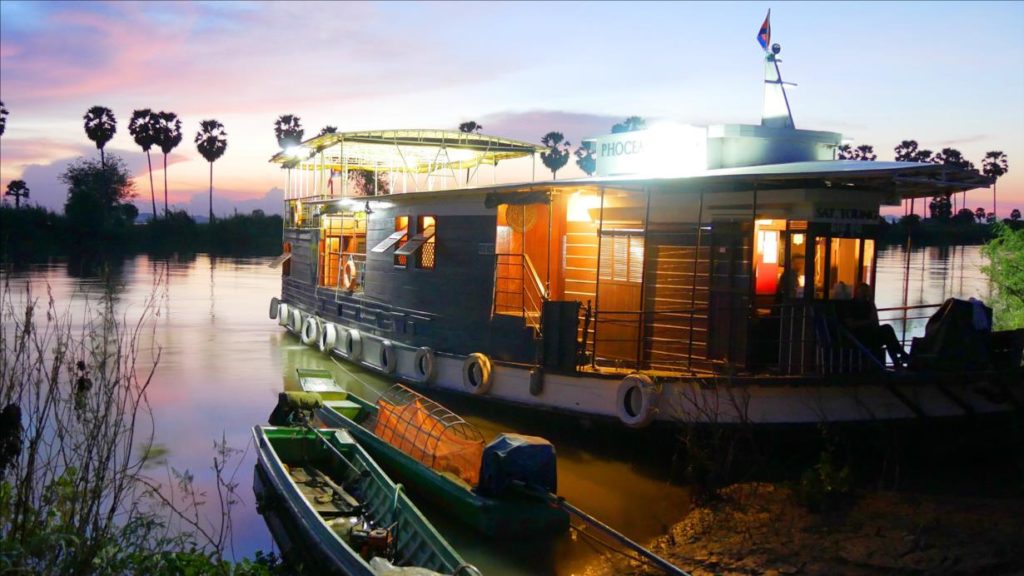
(412, 151)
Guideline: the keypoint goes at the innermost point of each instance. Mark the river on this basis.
(222, 362)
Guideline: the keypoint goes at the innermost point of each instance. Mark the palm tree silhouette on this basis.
(470, 127)
(3, 117)
(865, 152)
(585, 159)
(630, 124)
(142, 127)
(1015, 214)
(907, 151)
(100, 127)
(19, 190)
(557, 154)
(952, 157)
(211, 141)
(994, 165)
(168, 136)
(328, 130)
(288, 130)
(844, 152)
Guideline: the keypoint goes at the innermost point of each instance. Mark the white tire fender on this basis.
(388, 359)
(328, 336)
(477, 374)
(351, 345)
(283, 314)
(310, 330)
(636, 400)
(423, 365)
(296, 324)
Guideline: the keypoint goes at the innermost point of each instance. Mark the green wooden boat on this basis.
(328, 503)
(516, 512)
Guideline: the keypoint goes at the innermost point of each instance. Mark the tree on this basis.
(100, 126)
(953, 158)
(906, 150)
(1006, 270)
(964, 216)
(631, 124)
(288, 130)
(586, 160)
(979, 214)
(142, 127)
(1015, 214)
(99, 205)
(19, 190)
(3, 117)
(328, 130)
(168, 135)
(211, 141)
(368, 183)
(557, 154)
(470, 127)
(994, 166)
(844, 152)
(941, 208)
(865, 152)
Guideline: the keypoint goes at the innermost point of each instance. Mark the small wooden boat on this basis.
(438, 455)
(326, 501)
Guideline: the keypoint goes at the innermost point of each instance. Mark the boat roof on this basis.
(416, 151)
(907, 179)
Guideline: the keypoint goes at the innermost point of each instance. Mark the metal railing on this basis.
(518, 288)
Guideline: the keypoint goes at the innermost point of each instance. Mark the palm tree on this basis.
(470, 127)
(906, 150)
(631, 124)
(865, 152)
(328, 130)
(100, 127)
(3, 117)
(585, 159)
(1015, 214)
(168, 136)
(211, 141)
(953, 158)
(142, 127)
(557, 154)
(19, 190)
(994, 165)
(288, 130)
(844, 152)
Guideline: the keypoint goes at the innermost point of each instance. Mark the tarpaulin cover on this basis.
(514, 457)
(413, 430)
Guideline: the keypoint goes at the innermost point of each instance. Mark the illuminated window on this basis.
(401, 225)
(622, 258)
(840, 264)
(769, 255)
(425, 258)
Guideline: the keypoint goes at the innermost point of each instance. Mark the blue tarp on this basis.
(513, 457)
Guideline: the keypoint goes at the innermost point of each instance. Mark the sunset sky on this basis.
(943, 73)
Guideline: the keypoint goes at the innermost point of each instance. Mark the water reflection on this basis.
(222, 362)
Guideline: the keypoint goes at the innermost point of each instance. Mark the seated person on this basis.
(861, 320)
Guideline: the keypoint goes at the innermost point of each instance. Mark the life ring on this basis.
(351, 345)
(348, 275)
(282, 314)
(635, 400)
(310, 330)
(477, 373)
(296, 325)
(274, 306)
(388, 359)
(328, 335)
(423, 365)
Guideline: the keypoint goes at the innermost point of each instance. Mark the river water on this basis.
(222, 362)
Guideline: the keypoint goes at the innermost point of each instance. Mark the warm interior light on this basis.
(798, 239)
(580, 204)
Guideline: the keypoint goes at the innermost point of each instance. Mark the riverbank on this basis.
(761, 528)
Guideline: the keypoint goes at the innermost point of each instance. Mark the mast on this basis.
(776, 112)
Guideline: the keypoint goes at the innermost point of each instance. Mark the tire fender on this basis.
(275, 305)
(388, 359)
(283, 314)
(636, 400)
(351, 344)
(477, 374)
(296, 324)
(310, 330)
(423, 365)
(328, 336)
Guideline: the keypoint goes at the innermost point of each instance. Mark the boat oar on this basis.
(619, 537)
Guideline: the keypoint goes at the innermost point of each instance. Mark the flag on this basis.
(764, 35)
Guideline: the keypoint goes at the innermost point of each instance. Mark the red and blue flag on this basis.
(764, 35)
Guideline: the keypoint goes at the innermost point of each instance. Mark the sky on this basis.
(946, 74)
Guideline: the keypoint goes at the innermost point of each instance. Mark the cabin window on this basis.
(427, 254)
(330, 250)
(797, 282)
(622, 258)
(769, 256)
(402, 228)
(840, 264)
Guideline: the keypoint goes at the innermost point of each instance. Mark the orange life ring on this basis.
(348, 275)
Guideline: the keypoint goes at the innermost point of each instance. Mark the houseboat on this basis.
(696, 276)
